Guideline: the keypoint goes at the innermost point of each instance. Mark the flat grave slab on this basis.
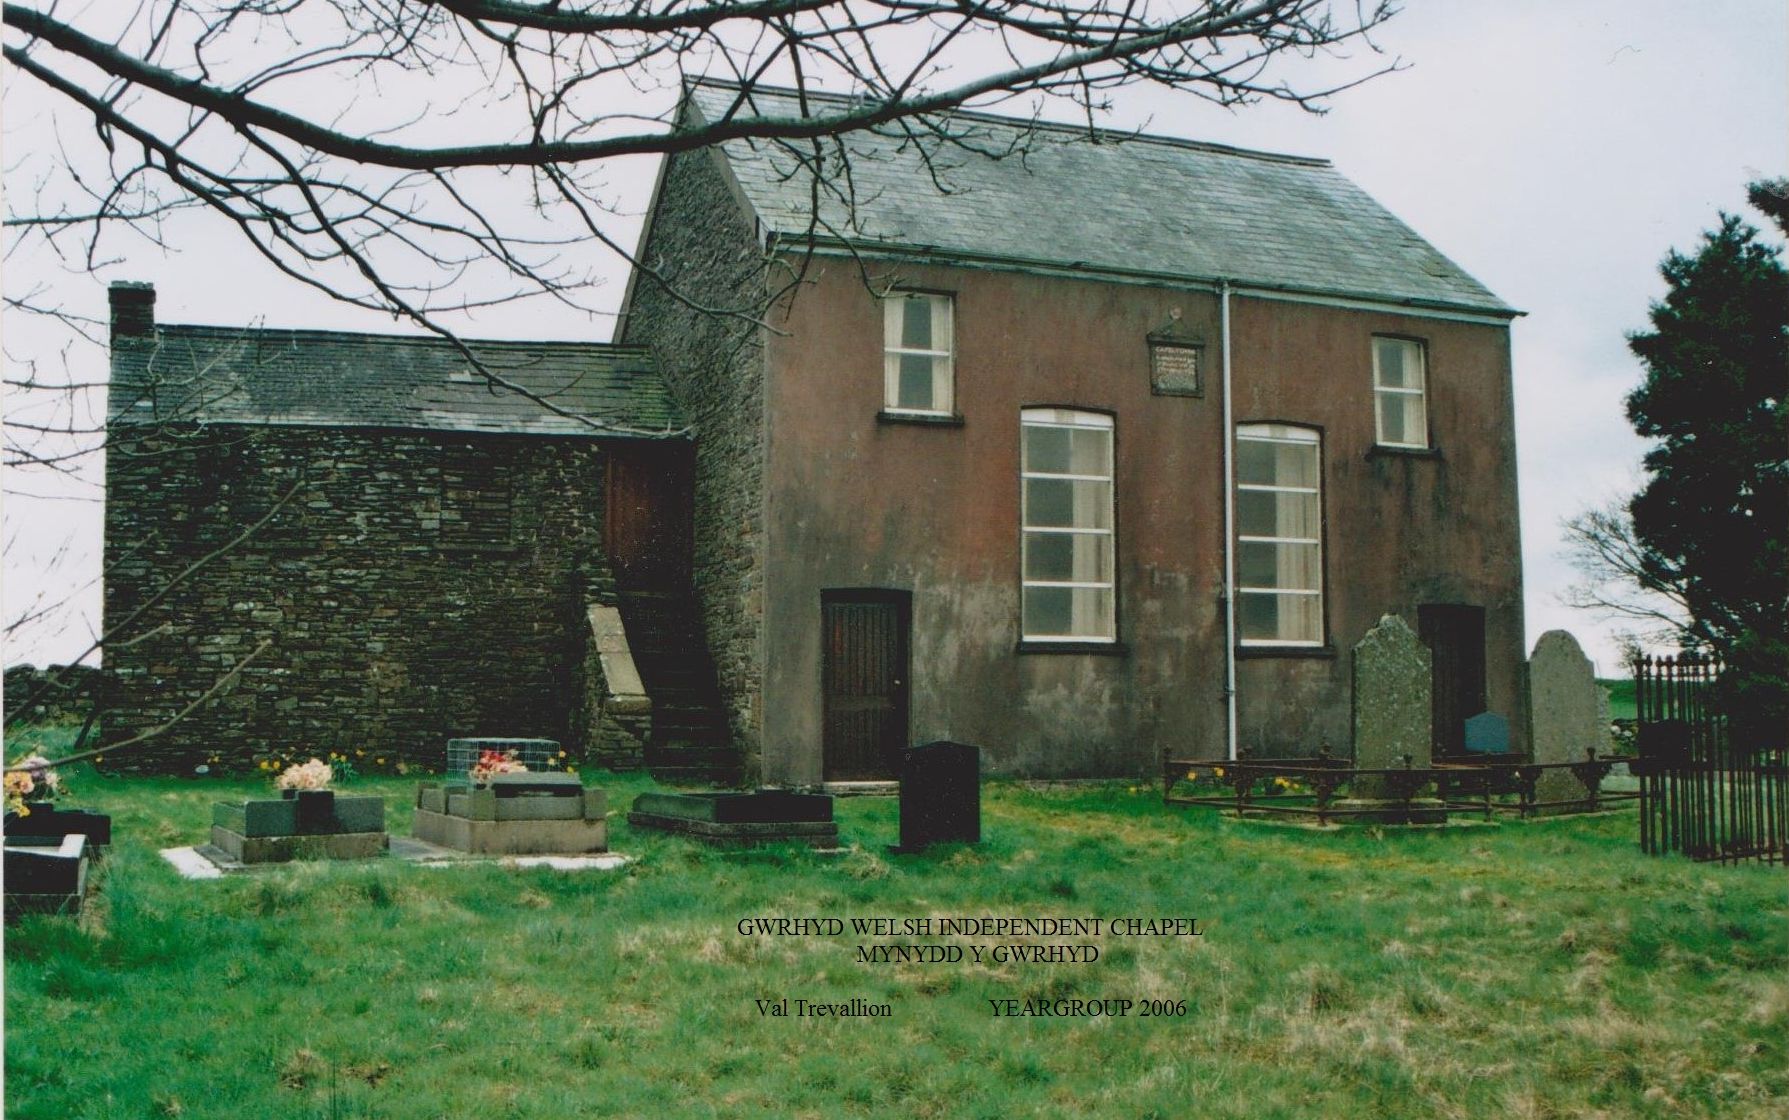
(208, 862)
(740, 819)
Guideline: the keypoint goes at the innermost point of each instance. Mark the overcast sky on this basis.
(1555, 150)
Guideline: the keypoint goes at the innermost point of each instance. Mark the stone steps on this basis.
(690, 740)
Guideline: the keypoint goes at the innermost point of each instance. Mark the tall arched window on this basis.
(1279, 535)
(1066, 499)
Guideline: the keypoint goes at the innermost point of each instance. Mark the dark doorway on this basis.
(646, 518)
(864, 641)
(1455, 636)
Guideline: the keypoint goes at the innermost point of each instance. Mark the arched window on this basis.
(1066, 502)
(1279, 535)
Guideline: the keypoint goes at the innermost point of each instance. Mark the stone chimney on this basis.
(133, 309)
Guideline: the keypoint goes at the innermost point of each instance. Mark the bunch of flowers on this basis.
(348, 764)
(35, 780)
(492, 763)
(311, 775)
(18, 787)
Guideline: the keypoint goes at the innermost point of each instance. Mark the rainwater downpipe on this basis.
(1229, 528)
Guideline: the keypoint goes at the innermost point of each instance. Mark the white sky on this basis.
(1555, 150)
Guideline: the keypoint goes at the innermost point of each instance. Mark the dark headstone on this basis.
(315, 814)
(940, 795)
(46, 821)
(1487, 733)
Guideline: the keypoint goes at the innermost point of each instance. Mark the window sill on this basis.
(1252, 653)
(1108, 649)
(924, 419)
(1381, 451)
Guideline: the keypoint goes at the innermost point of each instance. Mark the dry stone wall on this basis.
(414, 587)
(54, 694)
(702, 244)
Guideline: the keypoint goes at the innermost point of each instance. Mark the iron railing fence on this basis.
(1318, 787)
(1702, 793)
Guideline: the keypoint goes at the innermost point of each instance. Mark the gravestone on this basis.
(308, 824)
(45, 873)
(1565, 720)
(1393, 712)
(514, 814)
(940, 795)
(47, 820)
(740, 820)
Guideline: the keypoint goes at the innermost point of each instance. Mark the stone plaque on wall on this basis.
(1174, 368)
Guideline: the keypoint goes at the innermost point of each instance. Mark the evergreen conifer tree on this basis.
(1713, 517)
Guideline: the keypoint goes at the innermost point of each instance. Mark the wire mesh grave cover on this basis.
(535, 754)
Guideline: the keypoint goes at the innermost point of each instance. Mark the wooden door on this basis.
(864, 643)
(1455, 636)
(646, 521)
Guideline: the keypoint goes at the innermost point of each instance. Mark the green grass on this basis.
(1544, 969)
(1621, 698)
(50, 740)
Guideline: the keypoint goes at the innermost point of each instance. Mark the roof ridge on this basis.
(1098, 134)
(381, 336)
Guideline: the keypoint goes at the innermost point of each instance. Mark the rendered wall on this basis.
(855, 502)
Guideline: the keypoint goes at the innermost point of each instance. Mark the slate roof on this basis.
(1122, 203)
(225, 375)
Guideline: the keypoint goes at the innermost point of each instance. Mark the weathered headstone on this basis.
(1392, 721)
(1564, 717)
(940, 795)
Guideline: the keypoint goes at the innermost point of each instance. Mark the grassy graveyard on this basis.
(1524, 969)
